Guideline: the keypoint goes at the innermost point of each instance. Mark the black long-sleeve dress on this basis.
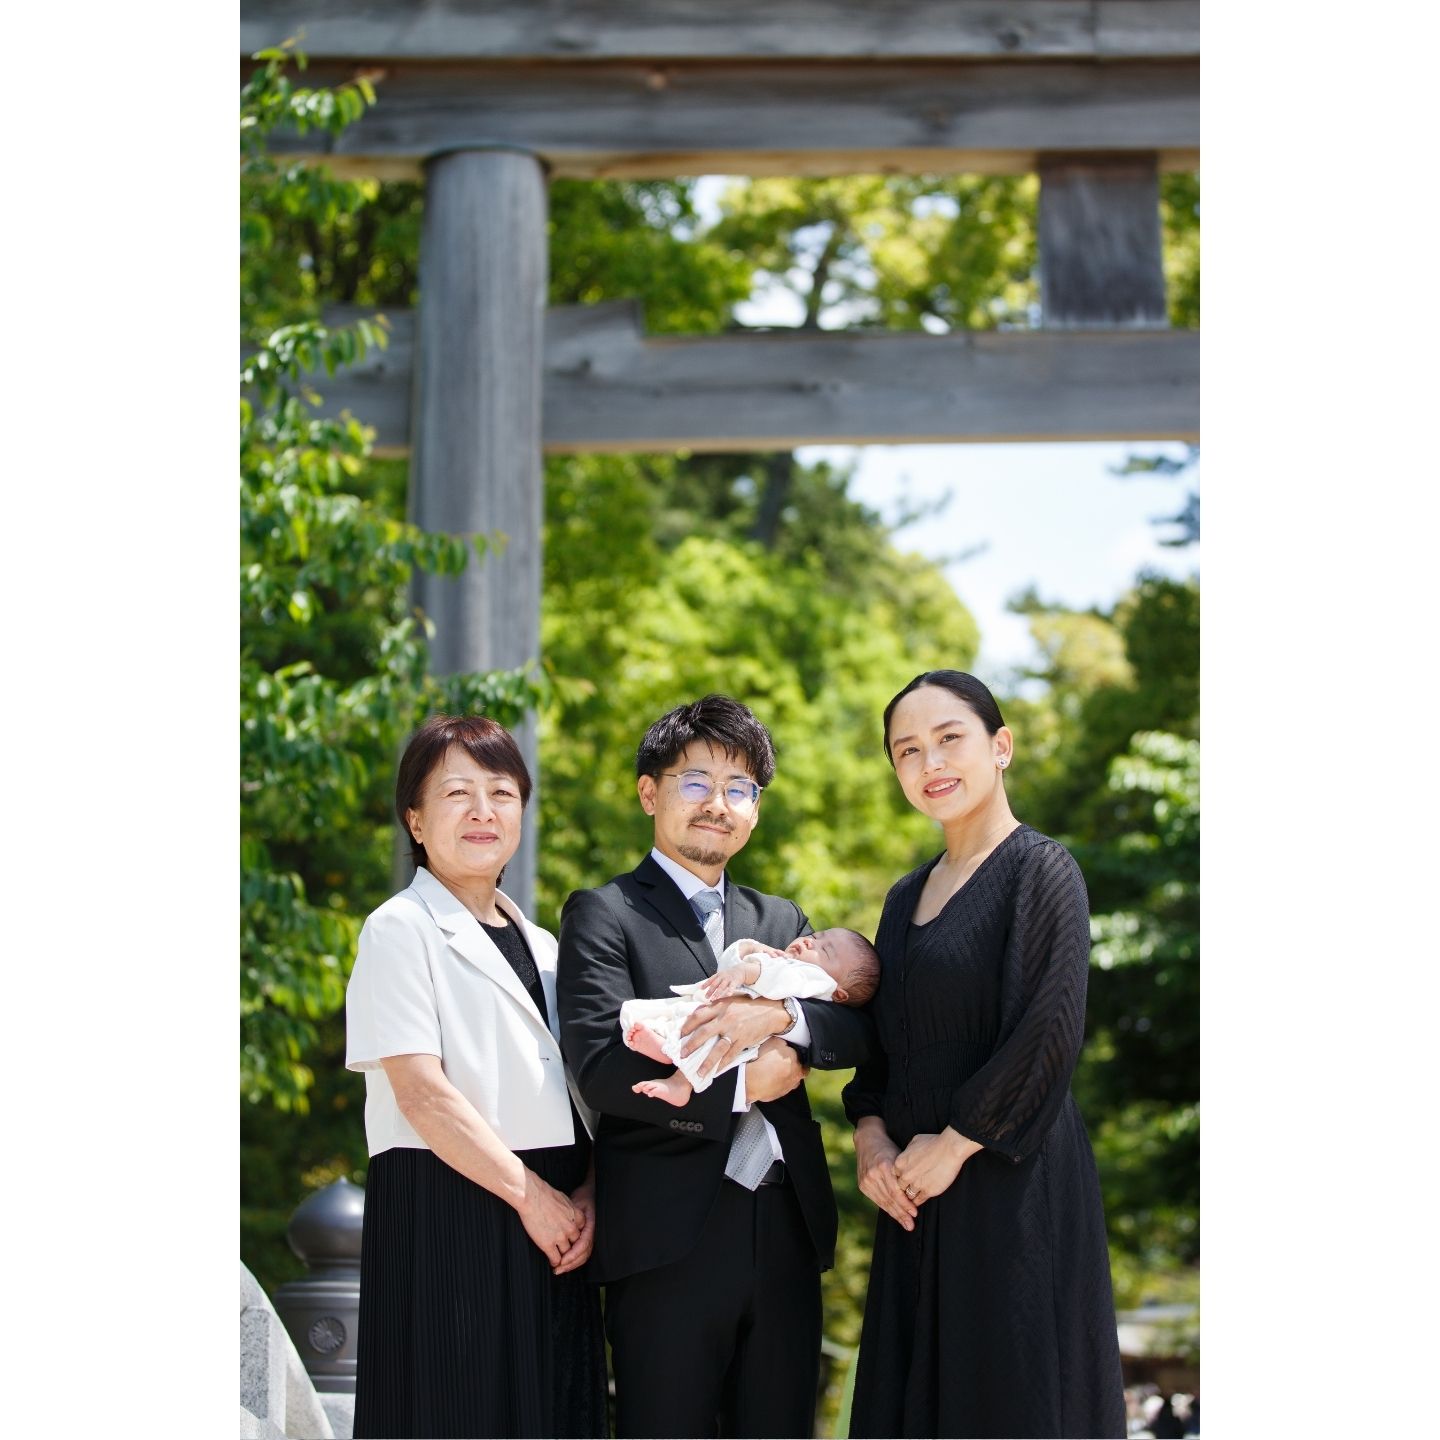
(994, 1317)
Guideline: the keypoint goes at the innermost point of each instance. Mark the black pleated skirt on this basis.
(464, 1329)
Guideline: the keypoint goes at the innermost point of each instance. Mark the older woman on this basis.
(474, 1320)
(989, 1309)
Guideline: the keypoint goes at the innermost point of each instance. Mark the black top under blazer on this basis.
(658, 1167)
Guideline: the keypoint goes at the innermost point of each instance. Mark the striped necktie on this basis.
(750, 1153)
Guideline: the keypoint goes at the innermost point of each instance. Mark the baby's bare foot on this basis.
(667, 1090)
(644, 1041)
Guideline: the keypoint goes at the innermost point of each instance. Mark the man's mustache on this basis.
(719, 820)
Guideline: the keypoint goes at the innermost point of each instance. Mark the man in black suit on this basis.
(714, 1220)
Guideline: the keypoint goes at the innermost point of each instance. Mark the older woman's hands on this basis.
(583, 1200)
(929, 1164)
(736, 1024)
(875, 1155)
(551, 1220)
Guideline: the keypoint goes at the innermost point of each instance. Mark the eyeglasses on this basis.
(696, 786)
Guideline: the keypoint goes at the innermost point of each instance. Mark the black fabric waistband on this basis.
(775, 1175)
(940, 1066)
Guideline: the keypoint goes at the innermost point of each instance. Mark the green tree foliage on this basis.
(296, 221)
(1180, 231)
(333, 660)
(1110, 764)
(638, 239)
(896, 252)
(1143, 1078)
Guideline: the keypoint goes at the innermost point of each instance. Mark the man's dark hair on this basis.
(719, 721)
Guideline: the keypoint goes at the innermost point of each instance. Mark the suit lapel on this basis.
(742, 917)
(464, 936)
(663, 896)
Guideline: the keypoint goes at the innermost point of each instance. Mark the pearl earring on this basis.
(1002, 762)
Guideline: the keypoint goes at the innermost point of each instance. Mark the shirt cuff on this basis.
(741, 1103)
(799, 1034)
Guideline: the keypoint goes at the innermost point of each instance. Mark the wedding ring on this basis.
(727, 1039)
(910, 1192)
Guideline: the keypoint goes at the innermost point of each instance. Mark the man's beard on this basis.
(698, 854)
(702, 857)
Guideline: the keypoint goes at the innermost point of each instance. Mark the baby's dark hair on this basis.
(862, 976)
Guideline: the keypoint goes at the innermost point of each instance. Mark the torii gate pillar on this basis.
(475, 443)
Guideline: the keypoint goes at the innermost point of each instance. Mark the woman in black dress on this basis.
(479, 1208)
(989, 1311)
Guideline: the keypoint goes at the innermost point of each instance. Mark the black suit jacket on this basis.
(658, 1168)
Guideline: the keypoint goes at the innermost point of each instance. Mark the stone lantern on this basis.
(322, 1312)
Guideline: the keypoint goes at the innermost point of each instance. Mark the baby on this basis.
(838, 965)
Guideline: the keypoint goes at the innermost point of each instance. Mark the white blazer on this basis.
(428, 980)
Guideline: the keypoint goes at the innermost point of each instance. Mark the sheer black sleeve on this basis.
(865, 1094)
(1009, 1104)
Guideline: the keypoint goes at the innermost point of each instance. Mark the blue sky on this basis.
(1049, 515)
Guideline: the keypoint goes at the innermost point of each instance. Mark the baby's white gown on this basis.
(781, 977)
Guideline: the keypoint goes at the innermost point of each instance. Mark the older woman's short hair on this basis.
(489, 745)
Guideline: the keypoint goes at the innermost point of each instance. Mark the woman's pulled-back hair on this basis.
(718, 721)
(975, 693)
(490, 745)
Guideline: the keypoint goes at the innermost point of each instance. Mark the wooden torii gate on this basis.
(486, 99)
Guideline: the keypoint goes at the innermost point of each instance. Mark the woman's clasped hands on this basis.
(900, 1181)
(928, 1165)
(875, 1156)
(561, 1226)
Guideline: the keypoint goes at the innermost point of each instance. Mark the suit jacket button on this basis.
(674, 1124)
